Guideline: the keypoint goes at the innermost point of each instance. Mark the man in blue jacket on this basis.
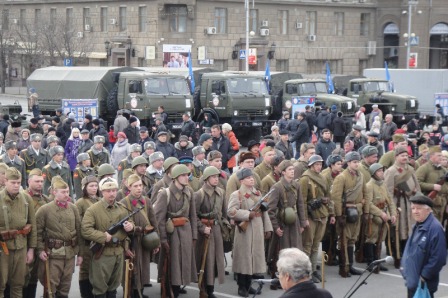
(425, 252)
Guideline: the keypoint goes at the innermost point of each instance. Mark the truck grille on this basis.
(251, 113)
(409, 108)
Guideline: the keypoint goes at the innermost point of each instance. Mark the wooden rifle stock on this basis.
(128, 278)
(47, 285)
(242, 226)
(432, 195)
(201, 280)
(342, 260)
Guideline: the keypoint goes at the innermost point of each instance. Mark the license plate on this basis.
(177, 126)
(257, 124)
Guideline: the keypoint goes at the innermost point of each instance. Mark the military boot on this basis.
(249, 288)
(380, 266)
(242, 290)
(368, 255)
(176, 291)
(315, 276)
(352, 270)
(343, 272)
(210, 290)
(29, 291)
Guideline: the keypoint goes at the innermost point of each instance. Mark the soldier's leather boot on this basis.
(176, 290)
(210, 290)
(352, 270)
(251, 290)
(369, 255)
(29, 291)
(343, 272)
(111, 294)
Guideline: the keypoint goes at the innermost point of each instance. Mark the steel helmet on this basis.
(290, 216)
(151, 241)
(169, 162)
(313, 159)
(351, 215)
(105, 169)
(139, 160)
(375, 167)
(210, 171)
(179, 170)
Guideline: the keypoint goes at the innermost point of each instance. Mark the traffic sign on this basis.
(68, 62)
(243, 54)
(414, 40)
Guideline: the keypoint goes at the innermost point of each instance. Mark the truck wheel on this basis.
(112, 102)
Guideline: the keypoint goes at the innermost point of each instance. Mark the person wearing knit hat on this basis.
(264, 168)
(34, 126)
(199, 161)
(388, 159)
(106, 272)
(19, 216)
(57, 167)
(11, 159)
(98, 154)
(34, 155)
(134, 150)
(259, 224)
(132, 131)
(81, 171)
(184, 147)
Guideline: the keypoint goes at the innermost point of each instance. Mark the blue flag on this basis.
(387, 71)
(190, 72)
(329, 80)
(267, 75)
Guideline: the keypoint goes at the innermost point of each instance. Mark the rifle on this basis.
(378, 244)
(47, 284)
(201, 280)
(362, 239)
(260, 205)
(96, 247)
(128, 278)
(343, 249)
(432, 195)
(165, 283)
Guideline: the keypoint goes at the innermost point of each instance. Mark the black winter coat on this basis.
(4, 127)
(223, 145)
(292, 127)
(306, 289)
(302, 134)
(321, 121)
(166, 148)
(188, 128)
(339, 127)
(132, 133)
(100, 131)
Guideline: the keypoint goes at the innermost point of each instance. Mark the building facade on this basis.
(295, 36)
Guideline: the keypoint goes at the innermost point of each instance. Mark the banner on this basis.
(80, 107)
(300, 102)
(176, 55)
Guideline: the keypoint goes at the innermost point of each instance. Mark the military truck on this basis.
(368, 91)
(238, 98)
(316, 88)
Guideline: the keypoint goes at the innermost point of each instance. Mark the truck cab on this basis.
(367, 92)
(316, 88)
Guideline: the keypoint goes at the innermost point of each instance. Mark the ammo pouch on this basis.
(208, 222)
(179, 221)
(351, 214)
(8, 235)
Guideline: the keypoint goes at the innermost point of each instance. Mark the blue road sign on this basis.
(242, 54)
(68, 62)
(414, 40)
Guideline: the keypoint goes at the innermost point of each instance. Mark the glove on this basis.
(341, 220)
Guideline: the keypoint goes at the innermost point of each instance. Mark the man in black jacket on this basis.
(98, 130)
(4, 124)
(188, 127)
(302, 134)
(222, 144)
(132, 132)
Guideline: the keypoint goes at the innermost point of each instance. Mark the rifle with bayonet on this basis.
(342, 248)
(261, 205)
(379, 243)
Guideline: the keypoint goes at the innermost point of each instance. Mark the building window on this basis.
(5, 19)
(339, 23)
(283, 22)
(365, 22)
(311, 22)
(22, 19)
(142, 16)
(69, 18)
(37, 17)
(362, 66)
(123, 22)
(178, 18)
(282, 65)
(319, 67)
(103, 19)
(86, 17)
(52, 17)
(221, 20)
(253, 20)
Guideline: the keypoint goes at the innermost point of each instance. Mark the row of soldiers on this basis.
(189, 202)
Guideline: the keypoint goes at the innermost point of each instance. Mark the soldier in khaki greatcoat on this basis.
(139, 166)
(17, 234)
(264, 168)
(90, 195)
(98, 154)
(301, 165)
(273, 177)
(81, 171)
(58, 237)
(348, 195)
(388, 159)
(134, 151)
(34, 190)
(168, 165)
(369, 157)
(57, 167)
(34, 156)
(382, 209)
(3, 168)
(106, 271)
(214, 158)
(11, 159)
(316, 197)
(194, 182)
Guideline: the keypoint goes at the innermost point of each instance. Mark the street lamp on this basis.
(107, 47)
(251, 33)
(408, 35)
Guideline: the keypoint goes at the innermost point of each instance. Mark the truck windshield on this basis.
(247, 85)
(376, 86)
(166, 86)
(312, 88)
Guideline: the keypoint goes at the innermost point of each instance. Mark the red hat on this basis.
(121, 135)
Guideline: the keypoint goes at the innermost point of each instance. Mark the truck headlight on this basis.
(267, 101)
(235, 113)
(288, 104)
(133, 103)
(266, 112)
(393, 109)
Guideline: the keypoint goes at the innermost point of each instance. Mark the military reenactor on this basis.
(106, 271)
(56, 167)
(214, 158)
(401, 182)
(316, 197)
(134, 151)
(105, 171)
(51, 141)
(253, 228)
(212, 218)
(98, 154)
(370, 156)
(199, 161)
(34, 156)
(286, 213)
(284, 146)
(382, 209)
(34, 190)
(139, 166)
(12, 160)
(82, 170)
(247, 161)
(3, 168)
(423, 157)
(18, 234)
(86, 142)
(58, 246)
(329, 241)
(177, 223)
(145, 239)
(372, 140)
(264, 168)
(273, 177)
(155, 169)
(388, 159)
(90, 195)
(348, 195)
(168, 165)
(301, 165)
(194, 182)
(149, 148)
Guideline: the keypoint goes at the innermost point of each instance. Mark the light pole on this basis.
(409, 34)
(246, 5)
